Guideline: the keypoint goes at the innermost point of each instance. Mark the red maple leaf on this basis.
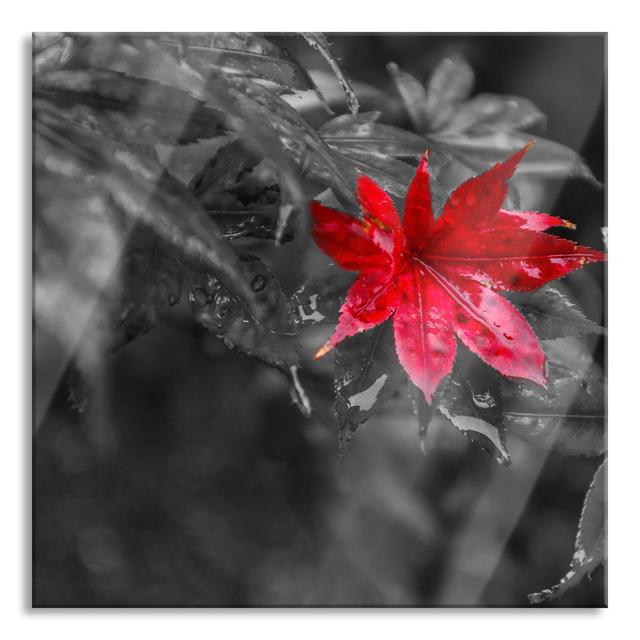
(439, 277)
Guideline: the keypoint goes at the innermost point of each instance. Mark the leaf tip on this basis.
(538, 376)
(424, 161)
(323, 350)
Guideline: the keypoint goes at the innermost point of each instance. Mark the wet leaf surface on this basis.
(423, 412)
(146, 194)
(225, 315)
(552, 314)
(471, 400)
(362, 133)
(413, 95)
(133, 110)
(240, 193)
(149, 284)
(366, 377)
(319, 42)
(244, 54)
(319, 299)
(295, 148)
(450, 83)
(568, 416)
(490, 143)
(505, 112)
(479, 131)
(591, 545)
(137, 57)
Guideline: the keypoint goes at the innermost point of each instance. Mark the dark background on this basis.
(194, 482)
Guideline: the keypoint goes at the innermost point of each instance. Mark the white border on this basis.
(329, 15)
